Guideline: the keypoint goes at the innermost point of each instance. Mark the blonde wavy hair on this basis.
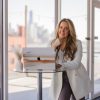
(70, 47)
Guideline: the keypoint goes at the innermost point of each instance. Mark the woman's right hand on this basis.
(56, 43)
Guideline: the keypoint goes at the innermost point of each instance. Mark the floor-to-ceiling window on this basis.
(95, 46)
(30, 24)
(97, 51)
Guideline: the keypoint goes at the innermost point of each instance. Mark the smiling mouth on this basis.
(62, 33)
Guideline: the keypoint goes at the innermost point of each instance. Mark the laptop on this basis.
(38, 58)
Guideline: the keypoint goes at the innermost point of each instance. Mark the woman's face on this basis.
(63, 30)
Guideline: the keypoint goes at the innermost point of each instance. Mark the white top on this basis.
(60, 57)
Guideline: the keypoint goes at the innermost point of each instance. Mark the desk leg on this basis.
(39, 86)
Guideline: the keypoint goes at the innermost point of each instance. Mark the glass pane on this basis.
(30, 24)
(77, 12)
(97, 51)
(40, 22)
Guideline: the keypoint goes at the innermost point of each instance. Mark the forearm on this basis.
(71, 65)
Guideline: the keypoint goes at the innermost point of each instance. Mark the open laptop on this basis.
(39, 58)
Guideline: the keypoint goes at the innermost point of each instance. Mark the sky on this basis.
(43, 14)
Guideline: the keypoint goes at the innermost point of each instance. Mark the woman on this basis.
(73, 81)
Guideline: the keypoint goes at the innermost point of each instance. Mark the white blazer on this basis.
(77, 75)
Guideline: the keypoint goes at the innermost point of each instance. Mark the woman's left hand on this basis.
(58, 66)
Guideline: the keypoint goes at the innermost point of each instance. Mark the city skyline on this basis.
(45, 17)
